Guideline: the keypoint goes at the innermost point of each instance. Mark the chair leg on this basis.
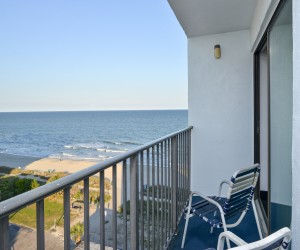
(225, 229)
(256, 219)
(187, 220)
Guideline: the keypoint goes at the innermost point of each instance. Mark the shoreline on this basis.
(44, 163)
(16, 161)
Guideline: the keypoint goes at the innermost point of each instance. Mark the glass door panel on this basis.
(280, 134)
(264, 131)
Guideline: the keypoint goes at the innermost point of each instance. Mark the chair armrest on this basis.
(209, 200)
(232, 237)
(282, 236)
(221, 185)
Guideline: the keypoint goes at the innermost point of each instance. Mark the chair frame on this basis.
(222, 214)
(285, 234)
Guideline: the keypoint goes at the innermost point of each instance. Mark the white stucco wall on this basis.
(220, 108)
(296, 127)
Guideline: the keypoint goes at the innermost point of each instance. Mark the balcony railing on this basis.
(155, 185)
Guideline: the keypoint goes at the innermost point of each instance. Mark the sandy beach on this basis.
(44, 164)
(58, 165)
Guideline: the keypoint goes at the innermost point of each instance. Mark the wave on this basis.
(132, 143)
(112, 142)
(112, 150)
(104, 157)
(68, 155)
(64, 156)
(75, 147)
(122, 142)
(96, 147)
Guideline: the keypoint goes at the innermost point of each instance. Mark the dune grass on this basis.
(53, 214)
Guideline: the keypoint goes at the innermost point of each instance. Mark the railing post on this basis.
(102, 211)
(67, 230)
(189, 156)
(86, 214)
(134, 213)
(4, 233)
(174, 180)
(114, 210)
(124, 192)
(40, 225)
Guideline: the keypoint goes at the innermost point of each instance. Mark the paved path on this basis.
(21, 238)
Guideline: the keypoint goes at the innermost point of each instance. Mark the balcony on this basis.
(154, 188)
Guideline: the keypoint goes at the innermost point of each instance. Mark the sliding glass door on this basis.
(273, 119)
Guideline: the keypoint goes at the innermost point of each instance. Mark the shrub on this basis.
(77, 232)
(34, 184)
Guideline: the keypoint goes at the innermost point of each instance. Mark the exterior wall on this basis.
(296, 127)
(263, 13)
(220, 108)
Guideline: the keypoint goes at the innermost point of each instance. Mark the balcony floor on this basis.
(199, 237)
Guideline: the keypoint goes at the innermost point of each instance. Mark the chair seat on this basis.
(206, 211)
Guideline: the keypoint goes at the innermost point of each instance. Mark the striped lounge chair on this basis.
(279, 240)
(217, 210)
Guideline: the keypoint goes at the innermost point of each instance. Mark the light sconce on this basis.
(217, 51)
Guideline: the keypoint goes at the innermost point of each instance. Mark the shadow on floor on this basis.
(199, 237)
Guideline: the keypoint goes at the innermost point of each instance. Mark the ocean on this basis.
(84, 135)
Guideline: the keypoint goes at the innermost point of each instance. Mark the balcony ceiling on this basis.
(206, 17)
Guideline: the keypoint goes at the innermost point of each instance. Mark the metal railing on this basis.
(154, 189)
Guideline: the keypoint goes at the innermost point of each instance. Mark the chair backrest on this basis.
(278, 240)
(241, 190)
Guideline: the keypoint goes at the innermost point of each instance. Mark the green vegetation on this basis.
(12, 186)
(55, 177)
(77, 232)
(121, 207)
(53, 214)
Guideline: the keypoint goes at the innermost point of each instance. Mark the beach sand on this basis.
(64, 165)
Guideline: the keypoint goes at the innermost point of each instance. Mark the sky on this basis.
(91, 55)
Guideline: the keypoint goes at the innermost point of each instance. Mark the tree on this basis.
(107, 197)
(107, 184)
(22, 185)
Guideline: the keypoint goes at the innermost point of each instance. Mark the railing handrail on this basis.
(15, 203)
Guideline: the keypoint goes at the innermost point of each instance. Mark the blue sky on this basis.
(91, 55)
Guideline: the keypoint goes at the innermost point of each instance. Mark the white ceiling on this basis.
(205, 17)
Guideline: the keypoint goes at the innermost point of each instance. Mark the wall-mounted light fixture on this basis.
(217, 51)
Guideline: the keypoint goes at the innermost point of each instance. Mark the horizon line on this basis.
(104, 110)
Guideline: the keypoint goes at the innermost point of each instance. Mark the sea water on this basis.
(92, 135)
